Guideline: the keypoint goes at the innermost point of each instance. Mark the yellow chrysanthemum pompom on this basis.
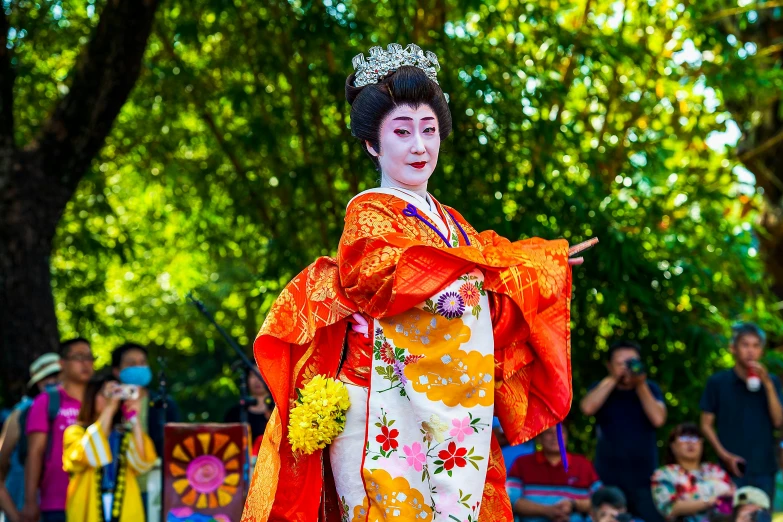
(319, 414)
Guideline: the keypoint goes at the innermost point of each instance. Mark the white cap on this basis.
(750, 495)
(46, 365)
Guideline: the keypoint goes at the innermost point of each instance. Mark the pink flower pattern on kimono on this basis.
(461, 429)
(448, 505)
(414, 456)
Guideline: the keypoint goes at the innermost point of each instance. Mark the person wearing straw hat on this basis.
(44, 372)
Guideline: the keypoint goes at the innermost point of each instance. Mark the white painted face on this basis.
(410, 142)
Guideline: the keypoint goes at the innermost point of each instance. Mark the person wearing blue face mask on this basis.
(130, 365)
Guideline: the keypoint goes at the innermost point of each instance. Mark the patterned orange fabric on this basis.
(387, 263)
(495, 504)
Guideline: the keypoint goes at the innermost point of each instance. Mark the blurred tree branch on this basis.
(101, 82)
(762, 148)
(724, 13)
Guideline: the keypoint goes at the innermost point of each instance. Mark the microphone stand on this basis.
(244, 400)
(163, 405)
(203, 309)
(243, 382)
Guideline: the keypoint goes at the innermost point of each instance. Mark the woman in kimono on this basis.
(431, 326)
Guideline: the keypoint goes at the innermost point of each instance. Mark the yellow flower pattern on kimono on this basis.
(421, 332)
(455, 378)
(392, 498)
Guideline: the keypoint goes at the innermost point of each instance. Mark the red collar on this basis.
(541, 459)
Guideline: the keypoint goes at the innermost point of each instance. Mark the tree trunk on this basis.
(28, 326)
(38, 180)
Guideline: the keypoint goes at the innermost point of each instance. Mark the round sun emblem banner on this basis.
(203, 472)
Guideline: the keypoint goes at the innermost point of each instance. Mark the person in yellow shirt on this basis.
(104, 453)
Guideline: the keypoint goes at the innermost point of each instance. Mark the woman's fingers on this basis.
(360, 324)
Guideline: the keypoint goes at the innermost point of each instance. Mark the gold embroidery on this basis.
(379, 258)
(282, 316)
(319, 282)
(435, 429)
(263, 486)
(548, 270)
(367, 220)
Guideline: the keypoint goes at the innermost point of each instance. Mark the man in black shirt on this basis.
(744, 413)
(628, 409)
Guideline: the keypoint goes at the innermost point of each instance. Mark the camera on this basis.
(635, 366)
(125, 392)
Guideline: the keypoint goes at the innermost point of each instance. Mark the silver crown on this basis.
(382, 63)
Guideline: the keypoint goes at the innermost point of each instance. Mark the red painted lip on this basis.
(418, 164)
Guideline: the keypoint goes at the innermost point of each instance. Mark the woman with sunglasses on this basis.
(686, 488)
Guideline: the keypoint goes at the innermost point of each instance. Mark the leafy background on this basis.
(229, 168)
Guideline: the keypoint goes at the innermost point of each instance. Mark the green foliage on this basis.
(230, 168)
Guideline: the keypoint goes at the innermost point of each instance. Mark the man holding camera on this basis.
(741, 408)
(628, 409)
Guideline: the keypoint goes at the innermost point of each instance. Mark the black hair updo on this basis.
(371, 103)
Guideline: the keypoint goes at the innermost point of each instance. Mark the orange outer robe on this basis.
(387, 263)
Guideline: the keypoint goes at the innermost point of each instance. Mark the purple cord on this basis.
(412, 211)
(561, 444)
(467, 241)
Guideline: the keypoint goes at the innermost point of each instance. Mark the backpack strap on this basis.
(21, 445)
(51, 414)
(54, 405)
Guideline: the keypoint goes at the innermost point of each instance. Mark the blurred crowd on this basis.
(79, 445)
(740, 411)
